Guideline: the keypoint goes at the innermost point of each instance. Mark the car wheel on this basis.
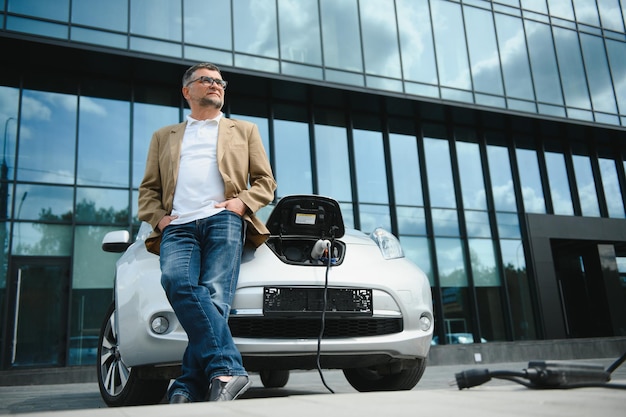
(119, 384)
(274, 379)
(366, 379)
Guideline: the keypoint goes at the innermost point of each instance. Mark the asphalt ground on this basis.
(309, 394)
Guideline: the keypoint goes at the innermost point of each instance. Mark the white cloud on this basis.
(33, 109)
(533, 203)
(503, 195)
(87, 104)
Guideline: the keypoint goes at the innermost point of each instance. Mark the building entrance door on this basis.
(36, 328)
(586, 274)
(573, 263)
(580, 282)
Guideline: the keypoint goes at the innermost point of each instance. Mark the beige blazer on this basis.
(241, 160)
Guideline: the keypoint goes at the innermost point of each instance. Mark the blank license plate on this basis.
(295, 300)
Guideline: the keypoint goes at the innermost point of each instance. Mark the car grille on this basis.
(299, 327)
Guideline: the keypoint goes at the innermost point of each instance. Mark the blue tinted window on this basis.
(37, 27)
(471, 175)
(110, 14)
(439, 168)
(535, 5)
(508, 225)
(571, 68)
(55, 10)
(255, 27)
(98, 37)
(371, 174)
(586, 186)
(373, 216)
(340, 22)
(501, 179)
(333, 163)
(518, 289)
(450, 45)
(417, 249)
(299, 26)
(31, 239)
(514, 57)
(543, 63)
(416, 41)
(599, 77)
(411, 220)
(450, 263)
(147, 119)
(559, 184)
(43, 202)
(612, 190)
(200, 15)
(91, 269)
(157, 19)
(48, 120)
(483, 50)
(477, 223)
(262, 125)
(586, 12)
(380, 38)
(530, 178)
(617, 61)
(483, 261)
(610, 15)
(103, 147)
(406, 170)
(562, 9)
(10, 99)
(293, 158)
(445, 222)
(101, 205)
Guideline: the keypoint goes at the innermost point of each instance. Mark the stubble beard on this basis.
(211, 102)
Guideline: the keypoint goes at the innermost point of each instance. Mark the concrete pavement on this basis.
(305, 395)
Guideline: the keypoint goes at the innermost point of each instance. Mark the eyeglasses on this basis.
(207, 81)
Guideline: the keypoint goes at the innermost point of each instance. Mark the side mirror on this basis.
(117, 241)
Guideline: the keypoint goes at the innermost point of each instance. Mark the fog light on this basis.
(425, 322)
(160, 324)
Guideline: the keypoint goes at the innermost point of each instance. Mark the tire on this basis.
(119, 384)
(367, 380)
(274, 379)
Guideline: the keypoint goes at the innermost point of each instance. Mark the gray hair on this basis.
(189, 73)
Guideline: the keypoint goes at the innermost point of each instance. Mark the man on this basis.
(204, 180)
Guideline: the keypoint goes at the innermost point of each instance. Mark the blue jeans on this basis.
(199, 270)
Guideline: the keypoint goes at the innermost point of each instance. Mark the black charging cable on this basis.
(547, 374)
(323, 319)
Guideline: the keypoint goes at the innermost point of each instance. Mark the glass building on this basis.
(489, 136)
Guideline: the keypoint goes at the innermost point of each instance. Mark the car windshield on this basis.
(144, 231)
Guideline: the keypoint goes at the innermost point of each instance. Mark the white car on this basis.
(377, 324)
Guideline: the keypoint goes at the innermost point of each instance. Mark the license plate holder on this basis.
(307, 300)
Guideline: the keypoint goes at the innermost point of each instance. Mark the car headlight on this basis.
(388, 244)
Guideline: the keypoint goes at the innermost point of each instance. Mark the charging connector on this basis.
(556, 374)
(472, 378)
(542, 374)
(321, 246)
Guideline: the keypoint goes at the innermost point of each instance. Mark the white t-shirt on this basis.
(200, 185)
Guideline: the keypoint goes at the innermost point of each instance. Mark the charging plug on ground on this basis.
(472, 378)
(555, 374)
